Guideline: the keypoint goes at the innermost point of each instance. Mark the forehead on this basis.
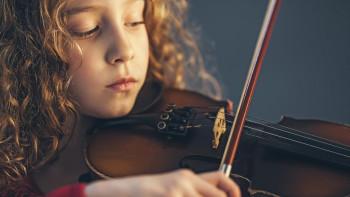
(77, 6)
(81, 2)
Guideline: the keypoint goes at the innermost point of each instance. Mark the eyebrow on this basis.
(78, 9)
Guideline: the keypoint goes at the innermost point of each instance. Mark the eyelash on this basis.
(134, 24)
(86, 34)
(89, 33)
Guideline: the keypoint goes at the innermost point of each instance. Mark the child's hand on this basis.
(178, 183)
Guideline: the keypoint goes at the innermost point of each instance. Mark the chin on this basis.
(110, 112)
(122, 111)
(113, 108)
(119, 110)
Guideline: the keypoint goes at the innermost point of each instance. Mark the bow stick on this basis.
(247, 94)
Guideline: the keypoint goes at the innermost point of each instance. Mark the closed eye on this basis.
(134, 24)
(85, 34)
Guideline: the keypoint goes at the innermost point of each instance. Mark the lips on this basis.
(123, 84)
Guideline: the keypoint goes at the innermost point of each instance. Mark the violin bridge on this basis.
(219, 127)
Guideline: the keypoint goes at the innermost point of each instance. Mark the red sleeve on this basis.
(75, 190)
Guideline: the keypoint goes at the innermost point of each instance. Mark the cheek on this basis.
(83, 64)
(82, 74)
(74, 58)
(142, 50)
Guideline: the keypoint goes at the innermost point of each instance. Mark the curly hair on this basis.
(34, 98)
(175, 55)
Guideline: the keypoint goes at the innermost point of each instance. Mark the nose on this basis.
(120, 49)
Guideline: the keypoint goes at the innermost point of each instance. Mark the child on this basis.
(65, 63)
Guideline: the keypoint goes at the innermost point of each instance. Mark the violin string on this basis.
(304, 143)
(286, 138)
(303, 135)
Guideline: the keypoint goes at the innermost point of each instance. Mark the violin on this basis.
(179, 129)
(170, 129)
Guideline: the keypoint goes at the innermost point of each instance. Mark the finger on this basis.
(222, 182)
(195, 184)
(205, 188)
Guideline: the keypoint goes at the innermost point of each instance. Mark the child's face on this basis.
(114, 49)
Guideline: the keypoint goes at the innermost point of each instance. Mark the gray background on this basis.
(306, 72)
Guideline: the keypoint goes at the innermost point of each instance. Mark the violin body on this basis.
(292, 174)
(121, 147)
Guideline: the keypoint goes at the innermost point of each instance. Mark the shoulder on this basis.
(25, 187)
